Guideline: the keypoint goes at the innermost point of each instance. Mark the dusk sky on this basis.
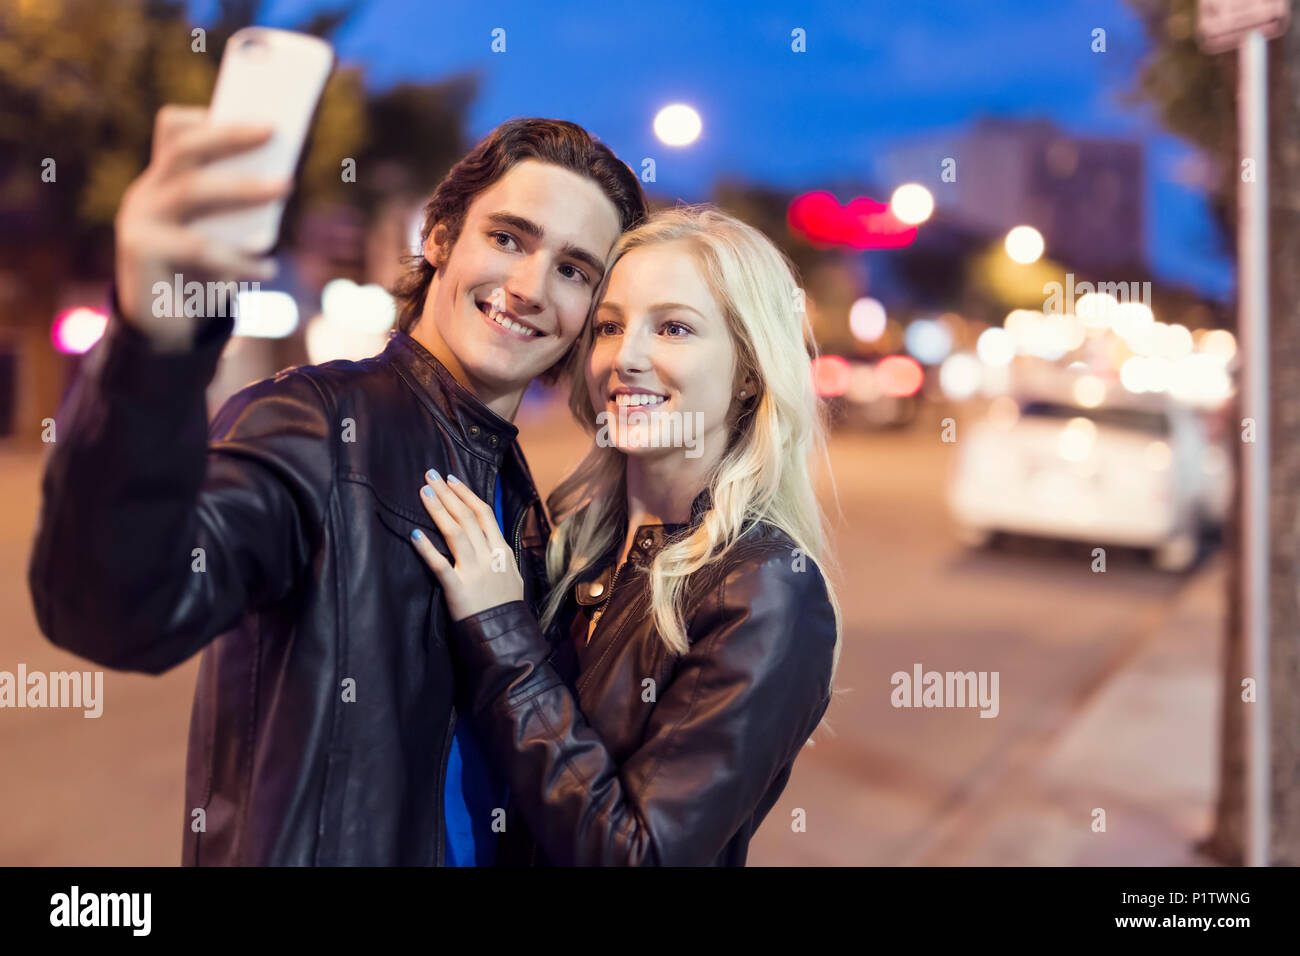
(874, 74)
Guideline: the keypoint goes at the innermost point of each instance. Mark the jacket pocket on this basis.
(400, 520)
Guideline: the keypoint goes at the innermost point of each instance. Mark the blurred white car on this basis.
(1141, 475)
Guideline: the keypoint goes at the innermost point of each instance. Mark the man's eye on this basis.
(498, 236)
(573, 272)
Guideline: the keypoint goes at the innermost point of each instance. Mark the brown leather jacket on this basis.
(615, 752)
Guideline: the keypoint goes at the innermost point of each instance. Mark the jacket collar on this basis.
(651, 538)
(480, 428)
(647, 542)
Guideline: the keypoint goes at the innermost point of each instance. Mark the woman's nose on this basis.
(633, 353)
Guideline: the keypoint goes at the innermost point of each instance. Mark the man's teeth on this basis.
(639, 399)
(500, 318)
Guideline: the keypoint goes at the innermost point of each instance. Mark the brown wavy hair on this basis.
(558, 142)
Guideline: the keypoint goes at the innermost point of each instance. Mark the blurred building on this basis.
(1085, 195)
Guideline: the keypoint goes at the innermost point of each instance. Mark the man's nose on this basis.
(526, 286)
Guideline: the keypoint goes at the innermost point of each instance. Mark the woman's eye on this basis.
(607, 328)
(498, 236)
(676, 329)
(573, 272)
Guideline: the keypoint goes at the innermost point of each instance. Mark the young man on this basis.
(324, 729)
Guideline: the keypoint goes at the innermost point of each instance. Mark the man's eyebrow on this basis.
(586, 258)
(530, 228)
(526, 226)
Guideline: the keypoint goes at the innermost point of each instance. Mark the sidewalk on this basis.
(1144, 749)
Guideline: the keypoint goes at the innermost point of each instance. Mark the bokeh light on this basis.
(960, 376)
(929, 341)
(995, 346)
(76, 330)
(831, 375)
(911, 203)
(899, 376)
(867, 319)
(265, 314)
(1025, 244)
(678, 125)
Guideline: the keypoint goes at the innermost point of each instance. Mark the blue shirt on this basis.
(472, 791)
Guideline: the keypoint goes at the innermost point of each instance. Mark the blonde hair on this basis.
(762, 475)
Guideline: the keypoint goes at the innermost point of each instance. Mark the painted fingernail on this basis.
(426, 491)
(453, 480)
(432, 475)
(417, 534)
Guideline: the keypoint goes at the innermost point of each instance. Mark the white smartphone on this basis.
(274, 77)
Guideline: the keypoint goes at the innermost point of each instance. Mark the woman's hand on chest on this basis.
(485, 574)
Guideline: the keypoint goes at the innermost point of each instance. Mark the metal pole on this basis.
(1252, 267)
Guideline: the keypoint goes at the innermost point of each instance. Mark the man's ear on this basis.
(436, 246)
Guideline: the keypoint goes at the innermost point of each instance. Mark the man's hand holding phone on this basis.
(156, 236)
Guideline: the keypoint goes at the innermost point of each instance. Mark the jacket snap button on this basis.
(597, 590)
(473, 430)
(492, 440)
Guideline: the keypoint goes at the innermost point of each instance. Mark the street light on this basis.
(1025, 244)
(911, 203)
(677, 125)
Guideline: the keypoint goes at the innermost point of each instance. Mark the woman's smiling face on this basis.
(661, 347)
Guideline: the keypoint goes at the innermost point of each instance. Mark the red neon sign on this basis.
(862, 224)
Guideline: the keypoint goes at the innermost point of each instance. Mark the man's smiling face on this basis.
(514, 291)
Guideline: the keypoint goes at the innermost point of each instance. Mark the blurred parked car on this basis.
(883, 394)
(1140, 474)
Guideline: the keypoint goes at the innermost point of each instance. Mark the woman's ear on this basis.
(747, 388)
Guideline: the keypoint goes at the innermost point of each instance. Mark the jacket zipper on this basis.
(519, 527)
(600, 611)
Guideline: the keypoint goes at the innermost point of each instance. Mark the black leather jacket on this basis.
(617, 753)
(324, 708)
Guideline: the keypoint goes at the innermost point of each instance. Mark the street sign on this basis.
(1222, 24)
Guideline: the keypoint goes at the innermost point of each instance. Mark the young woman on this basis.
(687, 648)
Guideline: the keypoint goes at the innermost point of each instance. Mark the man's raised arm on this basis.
(151, 541)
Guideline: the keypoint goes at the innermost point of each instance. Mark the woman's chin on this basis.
(645, 447)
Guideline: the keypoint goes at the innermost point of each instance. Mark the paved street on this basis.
(890, 786)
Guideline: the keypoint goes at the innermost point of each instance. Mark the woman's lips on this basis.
(639, 400)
